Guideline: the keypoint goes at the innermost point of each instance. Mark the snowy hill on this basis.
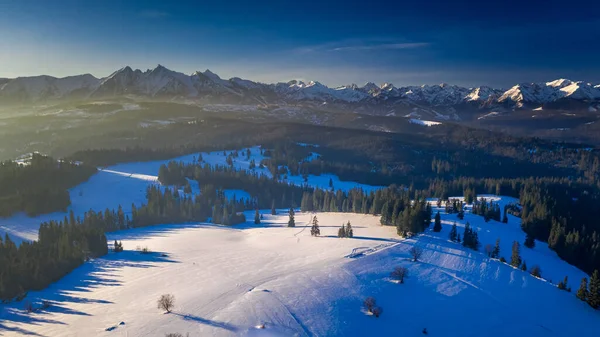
(227, 281)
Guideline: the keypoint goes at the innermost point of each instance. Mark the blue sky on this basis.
(495, 43)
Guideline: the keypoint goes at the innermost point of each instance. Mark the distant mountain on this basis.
(440, 101)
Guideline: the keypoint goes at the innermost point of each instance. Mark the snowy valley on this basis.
(269, 279)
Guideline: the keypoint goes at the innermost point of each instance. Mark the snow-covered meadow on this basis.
(229, 280)
(125, 184)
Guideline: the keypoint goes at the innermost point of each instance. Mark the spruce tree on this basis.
(593, 298)
(437, 227)
(256, 217)
(496, 251)
(342, 231)
(314, 230)
(349, 231)
(524, 266)
(453, 233)
(515, 258)
(563, 285)
(291, 221)
(582, 293)
(273, 211)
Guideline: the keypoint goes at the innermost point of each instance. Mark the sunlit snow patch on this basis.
(425, 123)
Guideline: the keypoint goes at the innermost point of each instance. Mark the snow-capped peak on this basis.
(560, 83)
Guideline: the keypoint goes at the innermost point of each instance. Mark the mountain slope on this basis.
(440, 101)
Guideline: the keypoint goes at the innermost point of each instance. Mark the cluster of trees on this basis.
(346, 231)
(559, 211)
(393, 204)
(590, 294)
(488, 210)
(470, 238)
(61, 247)
(39, 185)
(266, 192)
(170, 206)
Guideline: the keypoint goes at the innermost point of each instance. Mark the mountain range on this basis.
(443, 100)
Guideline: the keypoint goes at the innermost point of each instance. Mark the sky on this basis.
(470, 43)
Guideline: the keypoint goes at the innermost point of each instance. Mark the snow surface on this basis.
(229, 281)
(126, 184)
(425, 123)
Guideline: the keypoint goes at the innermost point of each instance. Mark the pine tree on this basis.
(524, 266)
(496, 251)
(529, 241)
(453, 233)
(593, 298)
(291, 221)
(505, 217)
(342, 231)
(536, 271)
(314, 230)
(273, 211)
(515, 259)
(563, 285)
(349, 231)
(458, 238)
(437, 227)
(582, 293)
(256, 217)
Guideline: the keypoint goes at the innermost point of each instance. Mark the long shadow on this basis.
(162, 230)
(216, 324)
(363, 238)
(100, 272)
(18, 331)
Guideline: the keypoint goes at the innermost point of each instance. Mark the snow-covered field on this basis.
(124, 184)
(229, 280)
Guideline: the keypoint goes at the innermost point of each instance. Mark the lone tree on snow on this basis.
(369, 304)
(314, 230)
(515, 258)
(437, 227)
(377, 311)
(399, 274)
(416, 253)
(166, 302)
(536, 271)
(291, 221)
(256, 217)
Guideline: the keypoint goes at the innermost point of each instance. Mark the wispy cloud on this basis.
(153, 14)
(360, 45)
(383, 46)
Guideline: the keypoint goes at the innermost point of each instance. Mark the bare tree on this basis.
(489, 249)
(28, 306)
(399, 274)
(377, 311)
(416, 253)
(369, 304)
(166, 302)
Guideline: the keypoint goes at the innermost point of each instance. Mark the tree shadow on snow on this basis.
(100, 272)
(362, 238)
(163, 230)
(216, 324)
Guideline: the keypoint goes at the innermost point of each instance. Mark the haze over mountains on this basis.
(161, 83)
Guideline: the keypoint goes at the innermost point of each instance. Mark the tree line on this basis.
(39, 185)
